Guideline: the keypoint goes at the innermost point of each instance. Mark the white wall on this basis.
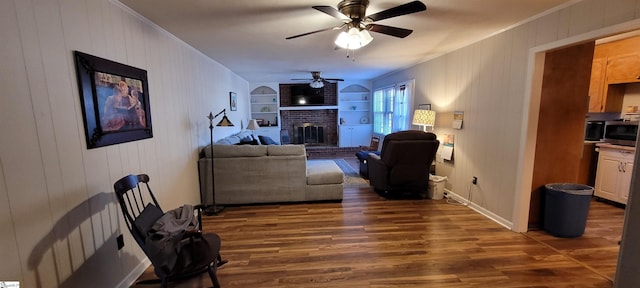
(631, 96)
(59, 216)
(487, 80)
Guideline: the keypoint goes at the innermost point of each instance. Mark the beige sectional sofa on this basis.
(247, 174)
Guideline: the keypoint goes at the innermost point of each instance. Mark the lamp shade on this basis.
(353, 39)
(224, 121)
(424, 117)
(253, 125)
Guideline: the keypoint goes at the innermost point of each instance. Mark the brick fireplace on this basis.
(317, 116)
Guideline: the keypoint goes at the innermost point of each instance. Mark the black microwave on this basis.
(621, 132)
(594, 131)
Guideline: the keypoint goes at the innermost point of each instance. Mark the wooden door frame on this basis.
(533, 90)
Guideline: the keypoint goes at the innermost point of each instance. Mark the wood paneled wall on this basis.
(487, 80)
(59, 216)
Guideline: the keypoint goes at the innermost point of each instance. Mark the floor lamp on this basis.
(424, 118)
(214, 209)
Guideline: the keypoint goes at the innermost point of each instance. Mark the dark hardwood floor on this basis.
(368, 241)
(598, 247)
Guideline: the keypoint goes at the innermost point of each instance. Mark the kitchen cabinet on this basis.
(615, 64)
(613, 176)
(604, 95)
(597, 96)
(623, 68)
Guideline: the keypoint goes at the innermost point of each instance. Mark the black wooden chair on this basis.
(191, 251)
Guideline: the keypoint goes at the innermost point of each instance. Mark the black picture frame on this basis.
(115, 101)
(233, 101)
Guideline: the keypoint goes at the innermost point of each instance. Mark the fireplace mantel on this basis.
(309, 108)
(324, 115)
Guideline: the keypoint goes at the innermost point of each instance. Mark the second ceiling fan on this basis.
(357, 24)
(317, 81)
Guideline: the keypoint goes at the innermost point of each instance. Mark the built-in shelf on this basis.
(355, 116)
(264, 106)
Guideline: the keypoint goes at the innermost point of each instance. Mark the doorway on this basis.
(560, 131)
(628, 253)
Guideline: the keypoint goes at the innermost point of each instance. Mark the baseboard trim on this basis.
(483, 211)
(134, 274)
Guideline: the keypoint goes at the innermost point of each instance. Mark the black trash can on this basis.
(566, 207)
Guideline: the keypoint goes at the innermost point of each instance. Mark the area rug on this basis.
(351, 176)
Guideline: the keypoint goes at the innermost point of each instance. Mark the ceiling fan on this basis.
(356, 24)
(317, 81)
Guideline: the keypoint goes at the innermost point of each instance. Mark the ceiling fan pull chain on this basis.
(353, 54)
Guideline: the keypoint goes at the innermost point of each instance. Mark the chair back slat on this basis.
(133, 198)
(140, 202)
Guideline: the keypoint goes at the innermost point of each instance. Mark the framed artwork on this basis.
(233, 101)
(115, 101)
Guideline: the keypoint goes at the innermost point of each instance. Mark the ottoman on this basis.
(324, 180)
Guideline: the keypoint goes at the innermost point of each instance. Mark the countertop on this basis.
(611, 146)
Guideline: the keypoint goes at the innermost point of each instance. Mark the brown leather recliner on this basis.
(404, 162)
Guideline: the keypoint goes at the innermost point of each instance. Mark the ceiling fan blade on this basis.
(389, 30)
(331, 12)
(317, 31)
(333, 79)
(312, 32)
(299, 79)
(404, 9)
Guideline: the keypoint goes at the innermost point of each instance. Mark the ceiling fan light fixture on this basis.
(365, 37)
(343, 40)
(353, 39)
(316, 84)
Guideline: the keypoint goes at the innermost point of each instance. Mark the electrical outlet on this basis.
(120, 241)
(474, 180)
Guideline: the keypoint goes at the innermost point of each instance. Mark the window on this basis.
(391, 108)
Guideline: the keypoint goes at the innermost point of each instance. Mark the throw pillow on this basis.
(266, 140)
(248, 142)
(145, 220)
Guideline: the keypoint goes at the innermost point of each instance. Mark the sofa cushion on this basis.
(229, 151)
(285, 150)
(323, 172)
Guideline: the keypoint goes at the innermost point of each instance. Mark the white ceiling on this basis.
(248, 36)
